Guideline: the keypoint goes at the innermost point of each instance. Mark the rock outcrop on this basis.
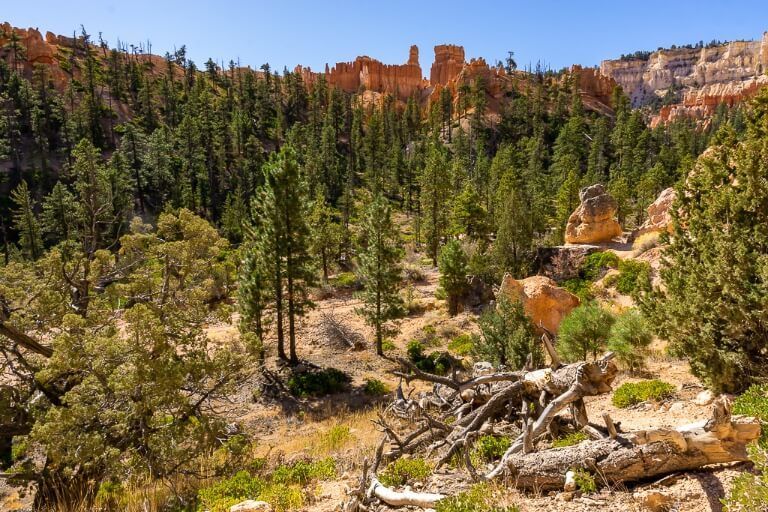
(562, 262)
(594, 221)
(449, 61)
(595, 88)
(659, 219)
(543, 301)
(704, 76)
(399, 80)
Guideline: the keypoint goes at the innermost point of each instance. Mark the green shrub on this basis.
(634, 276)
(490, 448)
(580, 287)
(749, 492)
(629, 339)
(346, 280)
(462, 344)
(585, 482)
(596, 263)
(222, 495)
(388, 345)
(318, 382)
(283, 497)
(571, 439)
(631, 393)
(754, 402)
(404, 470)
(19, 447)
(375, 387)
(507, 336)
(437, 362)
(304, 471)
(479, 498)
(584, 331)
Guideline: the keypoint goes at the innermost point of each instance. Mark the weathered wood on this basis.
(640, 455)
(402, 498)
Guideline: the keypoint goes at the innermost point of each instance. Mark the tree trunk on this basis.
(640, 455)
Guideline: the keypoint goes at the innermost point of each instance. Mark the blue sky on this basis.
(290, 32)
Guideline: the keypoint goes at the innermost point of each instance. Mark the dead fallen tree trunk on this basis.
(639, 455)
(402, 498)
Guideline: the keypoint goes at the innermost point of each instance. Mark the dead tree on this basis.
(444, 424)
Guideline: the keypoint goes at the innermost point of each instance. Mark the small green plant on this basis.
(375, 387)
(585, 482)
(631, 393)
(479, 498)
(222, 495)
(19, 448)
(346, 280)
(318, 382)
(490, 448)
(571, 439)
(629, 339)
(507, 336)
(462, 344)
(584, 332)
(436, 362)
(403, 471)
(596, 263)
(580, 287)
(333, 439)
(304, 471)
(634, 276)
(754, 402)
(388, 345)
(749, 491)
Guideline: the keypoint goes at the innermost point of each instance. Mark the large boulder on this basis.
(659, 218)
(545, 303)
(562, 262)
(594, 221)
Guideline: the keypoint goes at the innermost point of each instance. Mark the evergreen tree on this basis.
(453, 274)
(716, 266)
(59, 209)
(26, 223)
(435, 190)
(379, 268)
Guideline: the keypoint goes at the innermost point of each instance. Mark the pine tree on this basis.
(435, 193)
(453, 274)
(26, 223)
(379, 268)
(326, 234)
(59, 211)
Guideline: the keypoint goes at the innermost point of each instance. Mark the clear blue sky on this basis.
(290, 32)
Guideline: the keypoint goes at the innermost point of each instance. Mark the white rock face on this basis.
(706, 397)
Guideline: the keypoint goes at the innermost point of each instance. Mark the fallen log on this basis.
(402, 498)
(639, 455)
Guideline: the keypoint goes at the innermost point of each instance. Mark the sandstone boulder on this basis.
(544, 302)
(659, 219)
(594, 221)
(251, 506)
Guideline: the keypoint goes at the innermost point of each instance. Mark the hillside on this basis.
(225, 289)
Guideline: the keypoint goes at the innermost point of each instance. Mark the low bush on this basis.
(631, 393)
(633, 277)
(479, 498)
(222, 495)
(581, 288)
(754, 402)
(571, 439)
(462, 344)
(749, 491)
(304, 471)
(585, 482)
(584, 332)
(595, 265)
(318, 382)
(388, 345)
(437, 362)
(404, 470)
(629, 339)
(490, 448)
(375, 387)
(646, 242)
(346, 280)
(507, 336)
